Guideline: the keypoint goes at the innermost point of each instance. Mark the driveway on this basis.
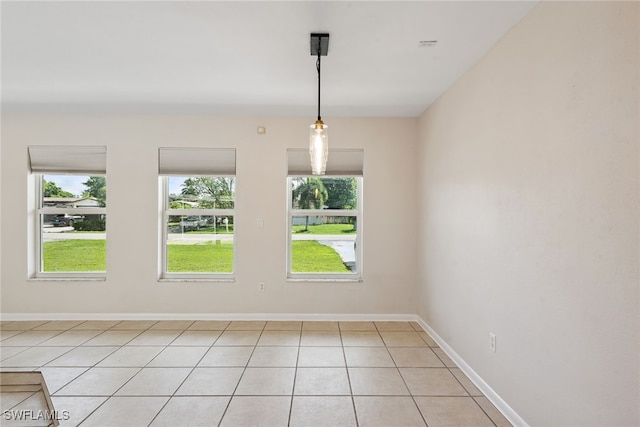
(50, 236)
(343, 244)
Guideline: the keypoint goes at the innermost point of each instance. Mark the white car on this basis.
(193, 222)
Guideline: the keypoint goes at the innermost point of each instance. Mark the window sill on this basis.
(186, 279)
(329, 280)
(67, 279)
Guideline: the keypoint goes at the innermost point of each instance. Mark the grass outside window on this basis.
(90, 255)
(74, 256)
(200, 258)
(325, 229)
(309, 256)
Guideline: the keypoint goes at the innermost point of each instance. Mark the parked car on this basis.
(193, 222)
(66, 220)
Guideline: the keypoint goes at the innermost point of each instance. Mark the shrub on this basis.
(91, 225)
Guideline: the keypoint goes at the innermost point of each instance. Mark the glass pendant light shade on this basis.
(318, 138)
(318, 147)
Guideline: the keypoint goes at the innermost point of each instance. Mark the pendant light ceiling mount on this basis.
(319, 44)
(318, 138)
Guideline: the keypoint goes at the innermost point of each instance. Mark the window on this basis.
(324, 231)
(198, 220)
(71, 200)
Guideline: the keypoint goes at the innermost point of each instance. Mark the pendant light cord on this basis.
(318, 68)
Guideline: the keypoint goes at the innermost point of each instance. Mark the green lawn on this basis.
(200, 258)
(326, 229)
(90, 255)
(309, 256)
(74, 255)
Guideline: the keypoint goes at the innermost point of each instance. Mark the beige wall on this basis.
(132, 212)
(529, 192)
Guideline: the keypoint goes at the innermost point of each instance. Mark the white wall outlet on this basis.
(260, 223)
(492, 342)
(261, 287)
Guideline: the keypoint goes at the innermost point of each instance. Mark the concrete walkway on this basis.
(346, 249)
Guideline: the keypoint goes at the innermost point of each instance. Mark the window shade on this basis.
(197, 161)
(341, 162)
(68, 159)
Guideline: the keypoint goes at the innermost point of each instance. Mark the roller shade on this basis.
(341, 162)
(68, 159)
(197, 161)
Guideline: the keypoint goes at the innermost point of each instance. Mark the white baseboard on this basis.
(497, 401)
(208, 316)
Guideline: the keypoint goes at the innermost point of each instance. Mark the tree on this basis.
(342, 193)
(309, 194)
(179, 205)
(211, 192)
(51, 189)
(96, 188)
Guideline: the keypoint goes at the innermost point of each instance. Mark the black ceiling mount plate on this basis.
(319, 40)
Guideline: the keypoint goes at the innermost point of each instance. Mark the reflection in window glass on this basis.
(324, 193)
(323, 244)
(200, 244)
(199, 225)
(73, 223)
(323, 233)
(201, 192)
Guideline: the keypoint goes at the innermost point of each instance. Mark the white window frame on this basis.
(355, 276)
(164, 236)
(192, 162)
(41, 210)
(82, 160)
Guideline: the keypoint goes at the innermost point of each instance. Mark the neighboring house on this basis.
(71, 202)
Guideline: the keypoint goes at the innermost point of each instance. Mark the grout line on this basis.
(186, 376)
(353, 400)
(482, 409)
(224, 413)
(413, 397)
(295, 376)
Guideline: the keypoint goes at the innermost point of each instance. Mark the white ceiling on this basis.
(242, 57)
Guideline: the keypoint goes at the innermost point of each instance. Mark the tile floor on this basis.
(243, 373)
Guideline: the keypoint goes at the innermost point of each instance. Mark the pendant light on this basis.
(318, 137)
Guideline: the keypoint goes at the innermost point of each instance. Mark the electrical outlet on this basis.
(492, 342)
(261, 287)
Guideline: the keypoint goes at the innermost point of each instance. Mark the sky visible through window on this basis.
(175, 184)
(70, 183)
(73, 183)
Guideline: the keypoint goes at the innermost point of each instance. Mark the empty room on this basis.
(320, 213)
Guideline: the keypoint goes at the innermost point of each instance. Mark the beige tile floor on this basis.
(244, 373)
